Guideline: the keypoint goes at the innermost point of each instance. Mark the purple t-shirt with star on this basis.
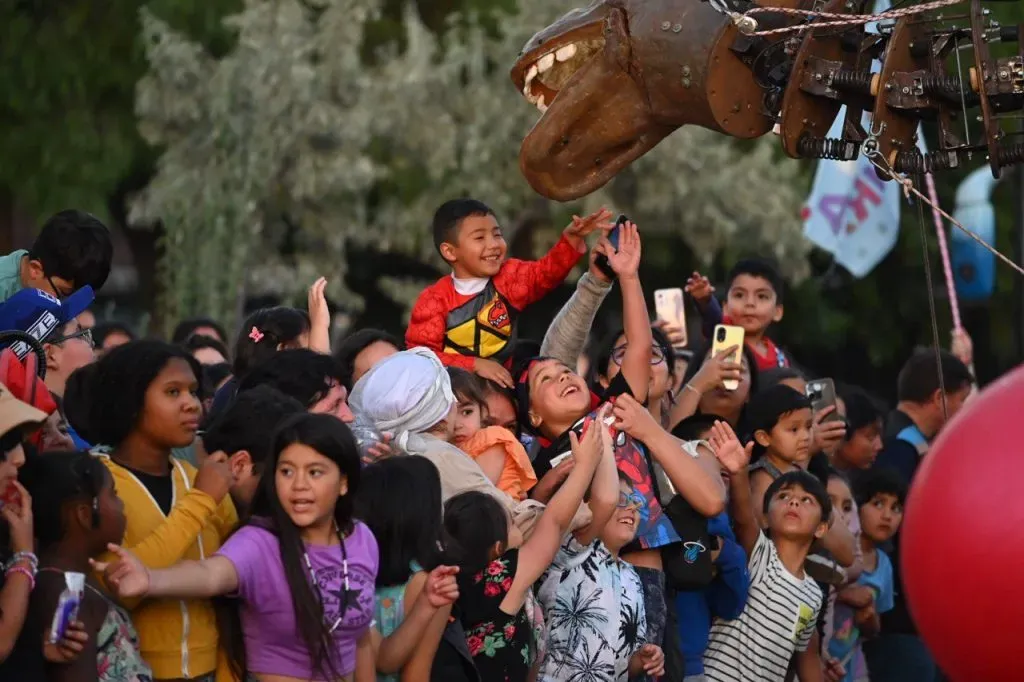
(273, 644)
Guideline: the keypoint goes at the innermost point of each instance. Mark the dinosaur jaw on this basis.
(595, 117)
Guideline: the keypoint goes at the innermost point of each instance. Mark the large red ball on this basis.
(962, 547)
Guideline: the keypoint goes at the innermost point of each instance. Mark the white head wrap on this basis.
(405, 394)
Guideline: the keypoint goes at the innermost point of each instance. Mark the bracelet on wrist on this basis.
(14, 570)
(689, 387)
(23, 557)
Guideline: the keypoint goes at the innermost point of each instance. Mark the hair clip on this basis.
(256, 335)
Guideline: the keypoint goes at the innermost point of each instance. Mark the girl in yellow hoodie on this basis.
(145, 403)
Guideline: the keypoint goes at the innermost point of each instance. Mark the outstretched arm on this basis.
(566, 338)
(734, 458)
(692, 479)
(636, 361)
(129, 578)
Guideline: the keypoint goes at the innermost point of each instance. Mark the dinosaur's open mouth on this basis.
(543, 74)
(596, 118)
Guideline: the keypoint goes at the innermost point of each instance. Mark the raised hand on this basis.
(18, 516)
(727, 448)
(126, 575)
(675, 334)
(717, 370)
(319, 313)
(215, 477)
(441, 588)
(626, 260)
(589, 449)
(579, 228)
(699, 287)
(633, 418)
(493, 371)
(826, 435)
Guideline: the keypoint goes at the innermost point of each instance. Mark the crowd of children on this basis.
(463, 505)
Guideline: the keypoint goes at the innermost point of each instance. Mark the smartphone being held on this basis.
(822, 394)
(668, 305)
(727, 336)
(613, 238)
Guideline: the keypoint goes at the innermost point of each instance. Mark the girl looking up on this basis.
(497, 570)
(302, 567)
(77, 514)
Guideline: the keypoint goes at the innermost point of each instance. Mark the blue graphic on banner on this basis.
(973, 266)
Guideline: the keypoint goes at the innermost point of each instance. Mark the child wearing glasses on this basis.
(594, 601)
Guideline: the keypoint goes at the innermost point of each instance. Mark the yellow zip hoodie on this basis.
(177, 638)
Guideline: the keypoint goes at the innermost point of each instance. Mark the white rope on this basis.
(908, 189)
(746, 23)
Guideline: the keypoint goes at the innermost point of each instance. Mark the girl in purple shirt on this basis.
(302, 568)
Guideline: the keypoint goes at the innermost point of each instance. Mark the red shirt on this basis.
(463, 327)
(772, 358)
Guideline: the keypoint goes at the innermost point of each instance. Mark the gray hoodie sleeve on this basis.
(567, 335)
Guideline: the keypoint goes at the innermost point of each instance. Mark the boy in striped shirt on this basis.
(783, 602)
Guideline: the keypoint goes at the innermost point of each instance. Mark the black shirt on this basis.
(160, 487)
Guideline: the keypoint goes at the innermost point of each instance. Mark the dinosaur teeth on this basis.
(546, 62)
(540, 104)
(564, 54)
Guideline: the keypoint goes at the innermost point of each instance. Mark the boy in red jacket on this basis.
(469, 317)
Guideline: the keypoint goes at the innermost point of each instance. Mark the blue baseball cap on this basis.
(39, 314)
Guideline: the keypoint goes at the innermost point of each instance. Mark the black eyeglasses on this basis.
(61, 295)
(84, 334)
(657, 355)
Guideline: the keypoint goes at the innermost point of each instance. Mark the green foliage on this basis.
(68, 74)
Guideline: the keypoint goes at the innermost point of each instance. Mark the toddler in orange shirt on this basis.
(496, 449)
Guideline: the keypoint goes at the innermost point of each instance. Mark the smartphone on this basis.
(668, 305)
(822, 394)
(727, 336)
(613, 237)
(558, 459)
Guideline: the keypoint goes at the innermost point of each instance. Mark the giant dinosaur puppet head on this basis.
(615, 78)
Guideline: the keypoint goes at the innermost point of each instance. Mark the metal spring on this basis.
(948, 86)
(827, 148)
(1011, 155)
(915, 162)
(855, 81)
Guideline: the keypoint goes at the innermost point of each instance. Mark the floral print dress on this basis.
(594, 607)
(503, 646)
(117, 647)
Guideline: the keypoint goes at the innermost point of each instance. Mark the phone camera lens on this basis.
(721, 335)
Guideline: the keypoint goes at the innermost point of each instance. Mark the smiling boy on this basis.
(469, 318)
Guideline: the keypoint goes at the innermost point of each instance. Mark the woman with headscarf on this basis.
(409, 396)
